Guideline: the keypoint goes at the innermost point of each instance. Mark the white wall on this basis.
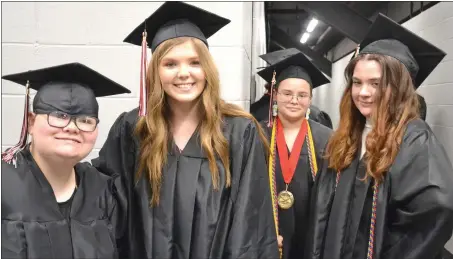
(40, 34)
(436, 26)
(258, 48)
(327, 97)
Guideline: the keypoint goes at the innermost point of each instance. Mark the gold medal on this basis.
(285, 199)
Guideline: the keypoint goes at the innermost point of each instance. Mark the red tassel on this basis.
(269, 123)
(9, 155)
(143, 101)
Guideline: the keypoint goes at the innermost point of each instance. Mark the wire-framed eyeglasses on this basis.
(288, 97)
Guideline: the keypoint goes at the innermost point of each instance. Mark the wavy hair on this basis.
(153, 129)
(396, 104)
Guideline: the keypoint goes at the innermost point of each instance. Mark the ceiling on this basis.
(287, 21)
(292, 18)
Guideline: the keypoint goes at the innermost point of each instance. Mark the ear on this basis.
(31, 122)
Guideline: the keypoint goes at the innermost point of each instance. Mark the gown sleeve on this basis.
(116, 159)
(322, 194)
(13, 234)
(252, 234)
(117, 215)
(421, 202)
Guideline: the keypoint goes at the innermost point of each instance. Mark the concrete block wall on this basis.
(40, 34)
(436, 26)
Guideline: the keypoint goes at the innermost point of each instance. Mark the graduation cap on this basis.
(70, 88)
(387, 37)
(279, 55)
(289, 63)
(171, 20)
(177, 19)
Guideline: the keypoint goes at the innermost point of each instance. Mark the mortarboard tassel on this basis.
(271, 106)
(9, 155)
(143, 90)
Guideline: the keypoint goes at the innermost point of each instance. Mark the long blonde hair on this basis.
(153, 129)
(396, 105)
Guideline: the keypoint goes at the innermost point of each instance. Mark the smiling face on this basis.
(289, 106)
(365, 81)
(67, 143)
(182, 76)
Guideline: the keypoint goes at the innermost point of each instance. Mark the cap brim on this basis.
(209, 23)
(279, 55)
(70, 73)
(426, 54)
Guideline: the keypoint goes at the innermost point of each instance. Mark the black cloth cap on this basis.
(71, 88)
(177, 19)
(291, 63)
(387, 37)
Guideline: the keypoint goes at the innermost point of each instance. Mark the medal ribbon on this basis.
(289, 165)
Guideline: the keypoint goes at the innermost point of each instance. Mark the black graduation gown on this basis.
(293, 222)
(260, 108)
(320, 116)
(414, 207)
(193, 220)
(34, 227)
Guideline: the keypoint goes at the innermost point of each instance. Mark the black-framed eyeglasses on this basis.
(59, 119)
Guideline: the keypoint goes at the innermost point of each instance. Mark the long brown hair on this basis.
(396, 104)
(153, 129)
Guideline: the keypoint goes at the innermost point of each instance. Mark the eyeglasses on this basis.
(60, 120)
(287, 97)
